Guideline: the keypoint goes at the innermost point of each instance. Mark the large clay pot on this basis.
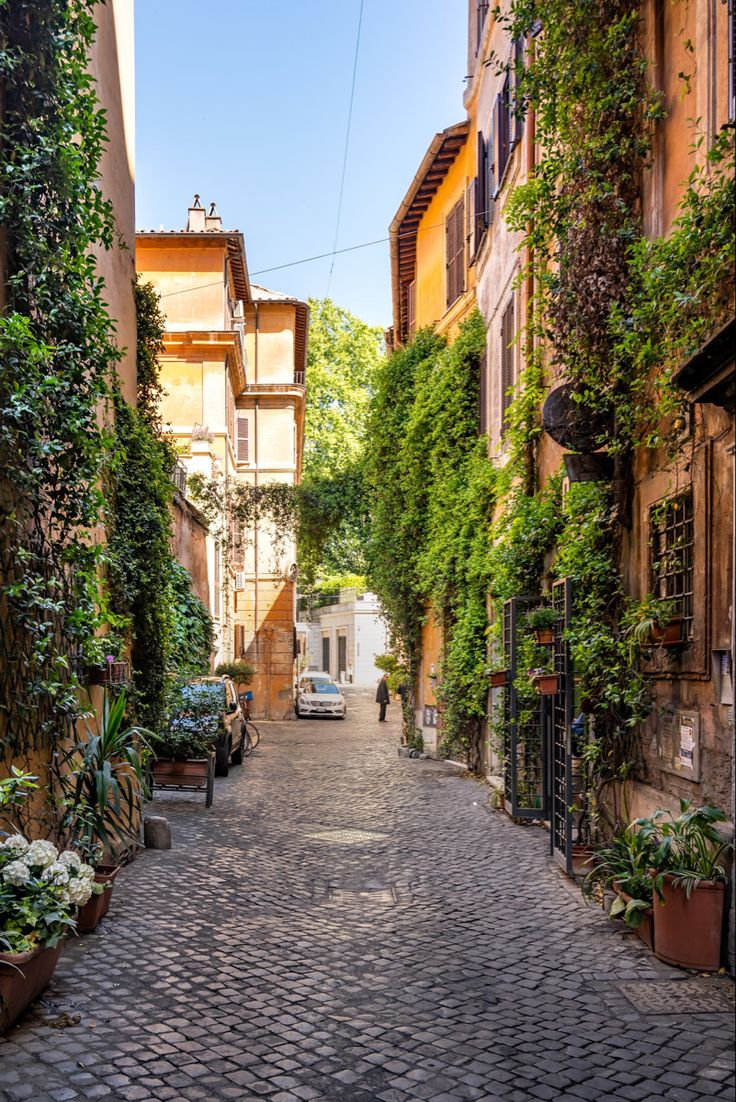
(23, 976)
(97, 907)
(645, 929)
(689, 932)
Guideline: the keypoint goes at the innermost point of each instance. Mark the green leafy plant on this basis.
(242, 673)
(641, 619)
(195, 722)
(40, 890)
(539, 619)
(687, 846)
(101, 779)
(623, 864)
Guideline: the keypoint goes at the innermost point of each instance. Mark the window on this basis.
(455, 252)
(483, 395)
(508, 333)
(240, 640)
(479, 196)
(242, 445)
(508, 122)
(481, 12)
(671, 545)
(411, 308)
(503, 130)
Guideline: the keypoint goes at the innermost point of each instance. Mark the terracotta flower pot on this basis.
(547, 684)
(23, 976)
(112, 673)
(545, 636)
(668, 635)
(689, 932)
(89, 916)
(499, 678)
(645, 929)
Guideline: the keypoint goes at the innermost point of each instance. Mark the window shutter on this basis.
(481, 199)
(455, 244)
(491, 168)
(238, 549)
(243, 442)
(507, 361)
(483, 394)
(411, 307)
(516, 120)
(449, 257)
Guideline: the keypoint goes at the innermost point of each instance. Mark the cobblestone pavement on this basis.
(344, 924)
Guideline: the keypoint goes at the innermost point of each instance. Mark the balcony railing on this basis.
(179, 478)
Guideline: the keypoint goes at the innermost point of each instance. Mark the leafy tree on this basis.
(344, 356)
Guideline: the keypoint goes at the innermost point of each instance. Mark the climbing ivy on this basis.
(58, 360)
(432, 491)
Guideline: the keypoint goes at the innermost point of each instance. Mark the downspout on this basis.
(531, 132)
(255, 527)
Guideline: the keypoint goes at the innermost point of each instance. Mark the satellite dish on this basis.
(573, 424)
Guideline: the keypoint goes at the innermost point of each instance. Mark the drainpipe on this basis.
(531, 131)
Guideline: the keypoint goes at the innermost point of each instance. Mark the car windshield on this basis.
(325, 688)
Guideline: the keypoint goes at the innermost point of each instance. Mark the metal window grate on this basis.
(672, 546)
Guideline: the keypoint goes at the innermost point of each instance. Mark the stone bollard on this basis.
(156, 832)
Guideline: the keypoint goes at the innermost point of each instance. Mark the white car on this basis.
(318, 695)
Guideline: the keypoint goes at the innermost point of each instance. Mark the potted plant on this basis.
(545, 682)
(40, 889)
(498, 678)
(651, 622)
(101, 778)
(542, 621)
(689, 883)
(623, 866)
(185, 753)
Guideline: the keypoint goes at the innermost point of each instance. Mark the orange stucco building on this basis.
(233, 370)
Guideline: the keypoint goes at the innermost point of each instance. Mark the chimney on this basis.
(196, 219)
(213, 220)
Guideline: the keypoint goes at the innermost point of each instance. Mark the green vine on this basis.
(58, 361)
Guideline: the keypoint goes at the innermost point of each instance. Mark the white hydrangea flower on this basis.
(56, 873)
(64, 896)
(41, 853)
(86, 872)
(17, 873)
(70, 859)
(16, 842)
(79, 891)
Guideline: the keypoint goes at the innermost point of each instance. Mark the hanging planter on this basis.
(111, 673)
(546, 684)
(542, 621)
(499, 678)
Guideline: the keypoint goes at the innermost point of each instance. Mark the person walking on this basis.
(383, 698)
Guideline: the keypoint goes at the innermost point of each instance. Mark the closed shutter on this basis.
(483, 394)
(503, 136)
(243, 441)
(455, 245)
(491, 169)
(481, 200)
(508, 333)
(411, 307)
(516, 118)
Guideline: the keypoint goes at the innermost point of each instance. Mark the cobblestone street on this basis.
(345, 924)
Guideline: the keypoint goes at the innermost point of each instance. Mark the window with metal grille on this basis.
(455, 252)
(508, 333)
(671, 544)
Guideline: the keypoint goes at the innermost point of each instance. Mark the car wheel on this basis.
(222, 760)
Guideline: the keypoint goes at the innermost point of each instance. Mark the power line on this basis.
(347, 147)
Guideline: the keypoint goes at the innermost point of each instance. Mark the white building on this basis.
(344, 638)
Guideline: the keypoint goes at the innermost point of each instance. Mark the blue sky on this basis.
(246, 103)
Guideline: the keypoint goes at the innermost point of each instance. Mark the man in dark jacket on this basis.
(383, 697)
